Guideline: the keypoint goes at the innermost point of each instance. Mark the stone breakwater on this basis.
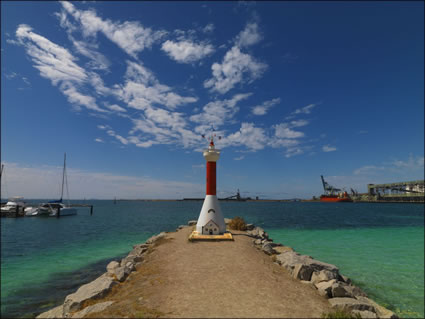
(323, 277)
(330, 284)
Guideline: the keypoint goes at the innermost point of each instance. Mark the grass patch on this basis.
(237, 223)
(339, 314)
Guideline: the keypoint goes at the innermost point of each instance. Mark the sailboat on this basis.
(57, 207)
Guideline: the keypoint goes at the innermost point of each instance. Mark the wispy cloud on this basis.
(218, 112)
(232, 70)
(57, 64)
(237, 67)
(328, 148)
(249, 36)
(303, 110)
(263, 108)
(130, 36)
(187, 51)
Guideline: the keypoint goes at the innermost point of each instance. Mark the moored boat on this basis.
(333, 194)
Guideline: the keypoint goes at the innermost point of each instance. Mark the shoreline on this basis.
(322, 278)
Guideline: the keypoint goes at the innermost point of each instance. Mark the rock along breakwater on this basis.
(171, 277)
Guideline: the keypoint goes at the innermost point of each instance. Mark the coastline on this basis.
(322, 279)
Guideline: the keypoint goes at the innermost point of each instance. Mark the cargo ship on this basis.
(333, 194)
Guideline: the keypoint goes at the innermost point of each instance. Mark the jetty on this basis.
(250, 277)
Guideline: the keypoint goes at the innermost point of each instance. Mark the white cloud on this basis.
(142, 90)
(116, 108)
(232, 70)
(328, 148)
(99, 140)
(38, 182)
(368, 170)
(265, 106)
(57, 64)
(208, 28)
(239, 158)
(130, 36)
(249, 136)
(284, 131)
(218, 112)
(249, 36)
(187, 51)
(53, 61)
(292, 151)
(305, 110)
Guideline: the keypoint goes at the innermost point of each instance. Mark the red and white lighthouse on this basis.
(211, 220)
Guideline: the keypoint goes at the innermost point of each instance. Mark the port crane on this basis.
(329, 190)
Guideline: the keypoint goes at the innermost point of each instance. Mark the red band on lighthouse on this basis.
(211, 178)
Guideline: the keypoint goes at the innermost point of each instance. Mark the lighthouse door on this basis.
(211, 232)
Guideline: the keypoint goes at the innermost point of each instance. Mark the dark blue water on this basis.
(44, 259)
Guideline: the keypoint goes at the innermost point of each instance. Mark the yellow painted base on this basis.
(196, 236)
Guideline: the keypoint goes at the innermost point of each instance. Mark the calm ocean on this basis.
(379, 246)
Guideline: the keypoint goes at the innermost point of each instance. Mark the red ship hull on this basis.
(327, 198)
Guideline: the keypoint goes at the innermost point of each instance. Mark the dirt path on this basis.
(212, 279)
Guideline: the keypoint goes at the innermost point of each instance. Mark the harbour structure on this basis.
(333, 194)
(411, 191)
(211, 224)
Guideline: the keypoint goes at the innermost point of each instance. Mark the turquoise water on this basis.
(379, 246)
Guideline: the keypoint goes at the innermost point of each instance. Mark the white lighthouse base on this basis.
(211, 220)
(211, 224)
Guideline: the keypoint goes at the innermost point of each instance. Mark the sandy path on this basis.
(212, 279)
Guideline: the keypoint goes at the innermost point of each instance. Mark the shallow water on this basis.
(379, 246)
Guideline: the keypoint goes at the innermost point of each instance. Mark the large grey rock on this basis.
(155, 238)
(382, 312)
(56, 312)
(350, 304)
(93, 290)
(112, 266)
(323, 275)
(138, 251)
(355, 291)
(92, 309)
(192, 222)
(282, 249)
(268, 249)
(121, 273)
(131, 258)
(257, 241)
(250, 226)
(345, 279)
(257, 232)
(325, 288)
(290, 259)
(339, 290)
(141, 246)
(302, 272)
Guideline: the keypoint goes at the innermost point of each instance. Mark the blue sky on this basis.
(126, 89)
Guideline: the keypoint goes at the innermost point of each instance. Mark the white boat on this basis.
(52, 209)
(12, 204)
(55, 208)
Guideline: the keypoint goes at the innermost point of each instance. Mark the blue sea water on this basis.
(379, 246)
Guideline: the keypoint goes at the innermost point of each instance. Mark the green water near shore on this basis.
(382, 261)
(381, 247)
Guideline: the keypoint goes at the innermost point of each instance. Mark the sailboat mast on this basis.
(63, 174)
